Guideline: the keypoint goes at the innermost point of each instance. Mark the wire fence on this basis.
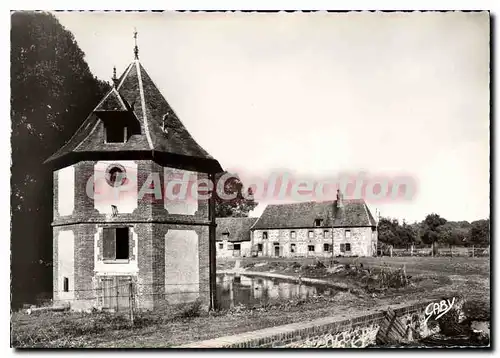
(128, 295)
(450, 251)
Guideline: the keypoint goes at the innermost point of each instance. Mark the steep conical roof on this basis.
(159, 134)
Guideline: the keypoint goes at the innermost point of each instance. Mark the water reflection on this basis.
(234, 289)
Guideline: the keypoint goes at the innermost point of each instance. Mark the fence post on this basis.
(390, 249)
(411, 250)
(117, 295)
(131, 303)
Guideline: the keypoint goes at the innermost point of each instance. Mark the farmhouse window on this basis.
(310, 234)
(347, 234)
(259, 247)
(318, 222)
(293, 234)
(325, 233)
(264, 235)
(310, 248)
(292, 248)
(326, 248)
(342, 247)
(116, 243)
(221, 246)
(347, 247)
(237, 247)
(230, 246)
(66, 284)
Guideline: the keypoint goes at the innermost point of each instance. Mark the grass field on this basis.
(431, 277)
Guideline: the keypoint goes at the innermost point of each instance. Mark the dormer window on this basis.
(116, 133)
(318, 222)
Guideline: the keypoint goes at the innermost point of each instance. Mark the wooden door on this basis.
(107, 292)
(123, 293)
(115, 292)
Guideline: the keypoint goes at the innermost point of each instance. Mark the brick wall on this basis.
(149, 222)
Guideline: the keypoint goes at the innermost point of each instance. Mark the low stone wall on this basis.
(396, 324)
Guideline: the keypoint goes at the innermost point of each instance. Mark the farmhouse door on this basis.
(237, 250)
(276, 251)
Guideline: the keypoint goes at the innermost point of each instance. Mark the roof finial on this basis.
(136, 49)
(115, 80)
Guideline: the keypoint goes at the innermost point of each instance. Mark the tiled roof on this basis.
(354, 212)
(237, 228)
(137, 97)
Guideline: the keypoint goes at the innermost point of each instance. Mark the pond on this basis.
(235, 289)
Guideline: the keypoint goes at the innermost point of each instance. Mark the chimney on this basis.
(340, 199)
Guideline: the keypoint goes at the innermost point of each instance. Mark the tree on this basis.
(387, 232)
(239, 206)
(52, 93)
(406, 234)
(453, 233)
(430, 229)
(480, 232)
(392, 233)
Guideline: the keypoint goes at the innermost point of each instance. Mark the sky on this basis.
(317, 94)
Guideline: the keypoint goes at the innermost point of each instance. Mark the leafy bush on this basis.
(477, 310)
(319, 264)
(191, 310)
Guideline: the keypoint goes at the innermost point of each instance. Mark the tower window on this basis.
(116, 133)
(264, 235)
(116, 175)
(116, 243)
(66, 284)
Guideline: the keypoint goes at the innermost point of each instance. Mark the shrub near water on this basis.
(375, 278)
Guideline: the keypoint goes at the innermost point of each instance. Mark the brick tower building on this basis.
(116, 235)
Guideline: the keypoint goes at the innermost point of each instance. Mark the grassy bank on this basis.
(428, 278)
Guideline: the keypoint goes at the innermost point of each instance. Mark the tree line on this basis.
(434, 230)
(52, 93)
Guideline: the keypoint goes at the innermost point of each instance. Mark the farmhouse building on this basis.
(234, 236)
(111, 242)
(315, 229)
